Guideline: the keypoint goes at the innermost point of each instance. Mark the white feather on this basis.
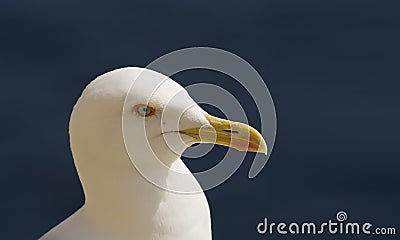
(120, 203)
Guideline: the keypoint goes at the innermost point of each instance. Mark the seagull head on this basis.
(136, 113)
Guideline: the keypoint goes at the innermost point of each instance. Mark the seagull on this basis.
(128, 131)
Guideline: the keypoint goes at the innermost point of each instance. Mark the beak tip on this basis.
(263, 147)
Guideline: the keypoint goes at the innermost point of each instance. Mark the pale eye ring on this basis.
(144, 110)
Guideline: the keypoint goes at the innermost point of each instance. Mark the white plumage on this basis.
(120, 203)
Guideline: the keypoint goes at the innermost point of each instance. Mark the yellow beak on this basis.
(236, 135)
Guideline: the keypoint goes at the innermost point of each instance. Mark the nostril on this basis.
(230, 131)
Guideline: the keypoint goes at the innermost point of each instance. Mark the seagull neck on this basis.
(119, 200)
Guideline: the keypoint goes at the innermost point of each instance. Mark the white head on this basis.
(138, 114)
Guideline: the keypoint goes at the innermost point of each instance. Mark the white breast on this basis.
(156, 215)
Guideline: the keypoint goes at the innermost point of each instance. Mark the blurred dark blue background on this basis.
(332, 68)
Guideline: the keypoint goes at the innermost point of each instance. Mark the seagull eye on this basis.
(144, 110)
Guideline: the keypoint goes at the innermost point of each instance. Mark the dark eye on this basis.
(144, 110)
